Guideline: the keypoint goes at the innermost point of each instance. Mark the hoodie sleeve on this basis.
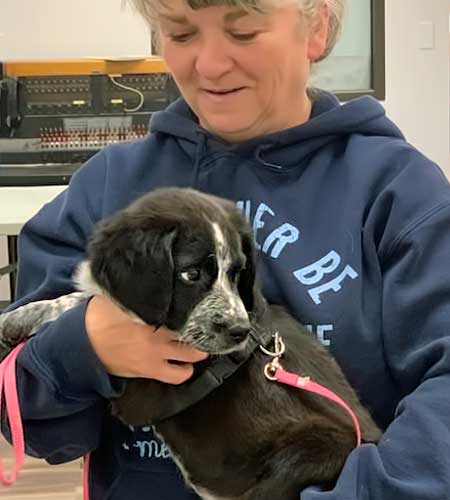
(412, 460)
(63, 388)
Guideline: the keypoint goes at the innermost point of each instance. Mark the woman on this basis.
(352, 224)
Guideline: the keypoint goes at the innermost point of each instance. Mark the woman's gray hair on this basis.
(309, 8)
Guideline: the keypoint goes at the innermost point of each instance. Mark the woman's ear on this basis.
(135, 267)
(318, 33)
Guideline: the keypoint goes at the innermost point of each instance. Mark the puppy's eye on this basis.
(191, 275)
(234, 273)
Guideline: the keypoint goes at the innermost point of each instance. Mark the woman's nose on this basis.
(213, 60)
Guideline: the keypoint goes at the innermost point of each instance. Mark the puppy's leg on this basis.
(19, 324)
(303, 455)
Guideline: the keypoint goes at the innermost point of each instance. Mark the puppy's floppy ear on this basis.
(135, 266)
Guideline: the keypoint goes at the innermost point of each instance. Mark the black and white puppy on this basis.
(186, 260)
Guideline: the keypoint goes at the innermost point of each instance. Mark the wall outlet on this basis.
(426, 35)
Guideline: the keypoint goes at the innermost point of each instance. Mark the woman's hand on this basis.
(131, 349)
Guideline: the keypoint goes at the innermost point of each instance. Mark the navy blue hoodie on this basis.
(353, 227)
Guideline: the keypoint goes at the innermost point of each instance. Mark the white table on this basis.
(17, 205)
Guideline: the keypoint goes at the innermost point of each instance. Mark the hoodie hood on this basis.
(329, 120)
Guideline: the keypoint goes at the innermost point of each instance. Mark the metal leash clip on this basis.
(280, 348)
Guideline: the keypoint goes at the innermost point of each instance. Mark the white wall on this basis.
(417, 80)
(36, 29)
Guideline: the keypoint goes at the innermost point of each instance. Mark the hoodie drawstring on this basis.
(259, 156)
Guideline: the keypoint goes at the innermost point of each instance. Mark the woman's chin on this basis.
(229, 129)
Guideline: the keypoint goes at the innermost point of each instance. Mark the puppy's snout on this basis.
(236, 331)
(239, 332)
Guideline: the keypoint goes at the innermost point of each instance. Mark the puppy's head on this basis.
(179, 258)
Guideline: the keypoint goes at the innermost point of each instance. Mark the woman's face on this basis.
(242, 74)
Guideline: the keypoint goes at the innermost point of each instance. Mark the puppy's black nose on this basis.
(239, 332)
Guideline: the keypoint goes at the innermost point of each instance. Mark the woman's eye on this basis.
(181, 37)
(243, 37)
(191, 275)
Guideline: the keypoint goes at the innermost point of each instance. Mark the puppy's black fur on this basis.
(186, 260)
(251, 439)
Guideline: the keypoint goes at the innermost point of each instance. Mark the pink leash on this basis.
(306, 384)
(274, 371)
(8, 384)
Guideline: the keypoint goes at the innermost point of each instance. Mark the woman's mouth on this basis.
(222, 93)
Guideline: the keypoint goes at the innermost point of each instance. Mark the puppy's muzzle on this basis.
(237, 331)
(217, 326)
